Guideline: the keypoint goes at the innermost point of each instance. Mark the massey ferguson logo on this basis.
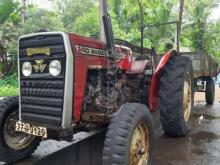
(39, 66)
(89, 51)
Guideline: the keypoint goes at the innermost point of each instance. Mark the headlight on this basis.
(26, 69)
(55, 68)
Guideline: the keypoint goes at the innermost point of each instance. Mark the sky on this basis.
(48, 4)
(216, 13)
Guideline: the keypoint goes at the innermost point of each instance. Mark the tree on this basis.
(131, 14)
(200, 34)
(199, 14)
(42, 19)
(87, 24)
(8, 22)
(212, 38)
(73, 9)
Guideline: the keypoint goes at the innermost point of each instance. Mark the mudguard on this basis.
(155, 82)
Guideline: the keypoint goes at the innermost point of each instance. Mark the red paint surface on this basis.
(81, 66)
(82, 63)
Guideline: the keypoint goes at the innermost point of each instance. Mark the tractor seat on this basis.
(142, 57)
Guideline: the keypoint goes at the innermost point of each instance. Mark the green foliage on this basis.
(128, 14)
(73, 9)
(9, 32)
(88, 23)
(212, 38)
(7, 7)
(9, 86)
(198, 33)
(8, 91)
(42, 19)
(82, 17)
(10, 80)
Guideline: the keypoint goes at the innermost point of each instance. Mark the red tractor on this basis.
(69, 83)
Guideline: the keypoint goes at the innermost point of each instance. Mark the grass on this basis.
(9, 86)
(8, 91)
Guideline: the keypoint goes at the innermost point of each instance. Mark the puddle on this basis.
(202, 142)
(198, 151)
(203, 136)
(205, 116)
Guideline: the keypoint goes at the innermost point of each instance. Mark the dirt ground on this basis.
(199, 96)
(201, 146)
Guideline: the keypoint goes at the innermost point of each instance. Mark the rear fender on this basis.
(155, 82)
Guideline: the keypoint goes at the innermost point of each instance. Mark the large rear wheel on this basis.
(129, 139)
(14, 145)
(176, 96)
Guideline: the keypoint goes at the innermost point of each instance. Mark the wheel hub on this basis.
(187, 100)
(139, 151)
(15, 140)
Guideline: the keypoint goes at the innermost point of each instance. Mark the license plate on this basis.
(31, 129)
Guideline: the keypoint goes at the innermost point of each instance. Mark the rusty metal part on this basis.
(187, 100)
(95, 117)
(139, 150)
(15, 140)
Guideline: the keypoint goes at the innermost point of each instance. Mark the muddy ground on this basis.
(200, 147)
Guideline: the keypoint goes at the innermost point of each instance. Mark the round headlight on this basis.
(55, 68)
(26, 69)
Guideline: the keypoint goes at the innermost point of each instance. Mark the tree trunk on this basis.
(141, 24)
(3, 60)
(24, 11)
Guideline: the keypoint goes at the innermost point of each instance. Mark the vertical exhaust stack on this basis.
(102, 11)
(106, 32)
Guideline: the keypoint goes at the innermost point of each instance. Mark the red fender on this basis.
(155, 83)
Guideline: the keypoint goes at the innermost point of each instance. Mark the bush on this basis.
(9, 86)
(11, 80)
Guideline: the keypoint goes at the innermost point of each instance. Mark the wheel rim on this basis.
(139, 151)
(15, 140)
(187, 100)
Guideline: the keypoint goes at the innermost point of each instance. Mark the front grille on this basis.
(41, 94)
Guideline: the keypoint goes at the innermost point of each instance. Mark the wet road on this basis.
(201, 146)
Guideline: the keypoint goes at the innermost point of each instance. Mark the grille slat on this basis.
(58, 93)
(41, 41)
(42, 95)
(42, 101)
(41, 118)
(39, 84)
(55, 112)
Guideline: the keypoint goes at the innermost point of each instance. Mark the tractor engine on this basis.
(102, 98)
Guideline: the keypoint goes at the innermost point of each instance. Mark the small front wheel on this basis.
(14, 145)
(129, 139)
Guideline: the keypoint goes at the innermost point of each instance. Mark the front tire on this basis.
(14, 146)
(210, 91)
(129, 139)
(176, 96)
